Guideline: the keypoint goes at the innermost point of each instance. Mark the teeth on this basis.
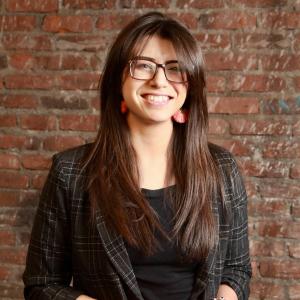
(157, 99)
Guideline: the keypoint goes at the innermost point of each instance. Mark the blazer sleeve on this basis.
(48, 269)
(237, 267)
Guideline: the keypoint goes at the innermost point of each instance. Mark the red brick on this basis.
(38, 181)
(152, 4)
(19, 101)
(279, 229)
(267, 169)
(68, 102)
(27, 42)
(215, 84)
(295, 171)
(280, 20)
(294, 291)
(4, 273)
(49, 62)
(260, 41)
(266, 290)
(259, 3)
(95, 103)
(91, 4)
(13, 180)
(188, 19)
(281, 106)
(209, 41)
(294, 250)
(81, 123)
(83, 81)
(297, 83)
(14, 290)
(284, 62)
(267, 248)
(256, 83)
(75, 62)
(94, 43)
(32, 6)
(7, 238)
(259, 127)
(251, 187)
(233, 105)
(68, 23)
(269, 207)
(279, 189)
(8, 121)
(29, 198)
(296, 209)
(236, 147)
(287, 149)
(9, 198)
(222, 61)
(284, 269)
(254, 267)
(19, 142)
(38, 122)
(296, 129)
(17, 23)
(218, 126)
(228, 20)
(43, 82)
(114, 21)
(3, 62)
(296, 41)
(9, 161)
(24, 238)
(200, 4)
(13, 256)
(59, 143)
(36, 162)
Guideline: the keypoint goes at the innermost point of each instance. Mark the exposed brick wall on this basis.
(51, 55)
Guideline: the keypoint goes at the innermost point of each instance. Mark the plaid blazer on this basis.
(67, 246)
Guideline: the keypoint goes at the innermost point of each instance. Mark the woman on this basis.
(150, 210)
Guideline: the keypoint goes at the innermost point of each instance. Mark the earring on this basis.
(123, 107)
(181, 116)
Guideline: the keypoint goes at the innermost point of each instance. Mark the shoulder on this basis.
(69, 162)
(222, 157)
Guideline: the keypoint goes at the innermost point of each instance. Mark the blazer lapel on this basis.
(117, 253)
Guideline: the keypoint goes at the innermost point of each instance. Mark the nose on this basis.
(160, 78)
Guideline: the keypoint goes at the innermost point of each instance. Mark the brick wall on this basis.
(51, 55)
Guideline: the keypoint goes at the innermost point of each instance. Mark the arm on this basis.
(237, 268)
(48, 270)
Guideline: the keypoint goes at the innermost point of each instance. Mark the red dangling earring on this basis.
(123, 107)
(181, 116)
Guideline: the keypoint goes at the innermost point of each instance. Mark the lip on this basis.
(162, 100)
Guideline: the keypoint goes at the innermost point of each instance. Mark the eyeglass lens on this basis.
(145, 70)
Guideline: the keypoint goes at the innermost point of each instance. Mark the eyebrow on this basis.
(152, 59)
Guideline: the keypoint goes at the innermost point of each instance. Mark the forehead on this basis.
(157, 48)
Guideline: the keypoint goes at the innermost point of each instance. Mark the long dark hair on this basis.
(113, 182)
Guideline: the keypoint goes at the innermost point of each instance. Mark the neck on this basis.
(151, 140)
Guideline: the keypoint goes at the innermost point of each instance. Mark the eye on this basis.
(145, 66)
(174, 68)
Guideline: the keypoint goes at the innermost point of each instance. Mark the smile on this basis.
(157, 99)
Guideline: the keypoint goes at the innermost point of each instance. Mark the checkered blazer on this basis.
(67, 245)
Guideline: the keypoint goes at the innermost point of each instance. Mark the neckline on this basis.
(156, 192)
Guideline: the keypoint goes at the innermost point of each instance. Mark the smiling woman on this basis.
(150, 210)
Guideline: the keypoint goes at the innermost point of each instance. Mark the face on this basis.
(153, 101)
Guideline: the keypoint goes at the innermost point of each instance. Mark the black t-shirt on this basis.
(164, 275)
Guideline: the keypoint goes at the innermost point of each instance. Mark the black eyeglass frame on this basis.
(163, 66)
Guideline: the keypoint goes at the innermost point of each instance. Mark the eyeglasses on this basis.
(143, 68)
